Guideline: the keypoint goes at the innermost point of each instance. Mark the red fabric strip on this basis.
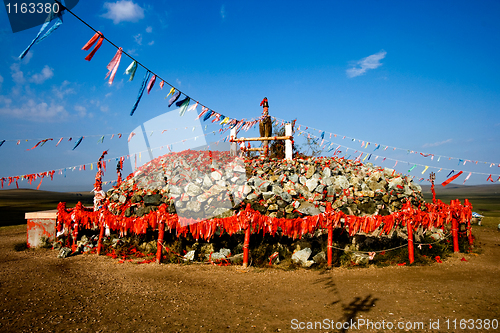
(98, 45)
(449, 180)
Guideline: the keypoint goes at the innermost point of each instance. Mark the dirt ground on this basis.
(98, 294)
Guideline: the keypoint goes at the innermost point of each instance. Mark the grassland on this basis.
(485, 199)
(15, 203)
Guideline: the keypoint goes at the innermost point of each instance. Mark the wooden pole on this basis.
(101, 235)
(433, 178)
(411, 254)
(233, 147)
(269, 138)
(255, 149)
(468, 217)
(288, 142)
(159, 245)
(246, 245)
(75, 236)
(469, 233)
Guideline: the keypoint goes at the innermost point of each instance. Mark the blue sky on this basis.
(420, 76)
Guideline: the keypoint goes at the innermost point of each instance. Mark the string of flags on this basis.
(41, 142)
(83, 167)
(377, 146)
(363, 156)
(149, 80)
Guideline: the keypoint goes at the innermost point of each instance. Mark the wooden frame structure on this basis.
(288, 142)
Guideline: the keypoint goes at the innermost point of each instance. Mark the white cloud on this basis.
(33, 110)
(1, 81)
(123, 10)
(151, 42)
(104, 108)
(62, 90)
(178, 82)
(82, 111)
(149, 29)
(371, 62)
(132, 52)
(223, 12)
(46, 74)
(5, 100)
(138, 39)
(435, 144)
(17, 74)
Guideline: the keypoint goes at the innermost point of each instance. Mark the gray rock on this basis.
(273, 207)
(310, 171)
(302, 190)
(207, 182)
(320, 258)
(281, 203)
(301, 257)
(153, 199)
(192, 190)
(64, 252)
(311, 184)
(194, 206)
(327, 172)
(267, 195)
(308, 208)
(175, 189)
(122, 199)
(252, 197)
(394, 182)
(216, 175)
(341, 181)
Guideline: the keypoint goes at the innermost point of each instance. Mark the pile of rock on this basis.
(201, 184)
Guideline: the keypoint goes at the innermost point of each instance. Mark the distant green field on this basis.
(485, 199)
(15, 203)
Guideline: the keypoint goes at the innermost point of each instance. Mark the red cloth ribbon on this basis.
(113, 65)
(449, 180)
(151, 83)
(43, 142)
(86, 47)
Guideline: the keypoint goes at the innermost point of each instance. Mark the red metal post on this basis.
(454, 232)
(330, 245)
(246, 245)
(159, 245)
(411, 254)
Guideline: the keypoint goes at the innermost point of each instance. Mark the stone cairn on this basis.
(200, 184)
(201, 194)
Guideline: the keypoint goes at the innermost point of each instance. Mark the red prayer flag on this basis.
(449, 180)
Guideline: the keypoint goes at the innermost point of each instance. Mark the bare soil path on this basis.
(97, 294)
